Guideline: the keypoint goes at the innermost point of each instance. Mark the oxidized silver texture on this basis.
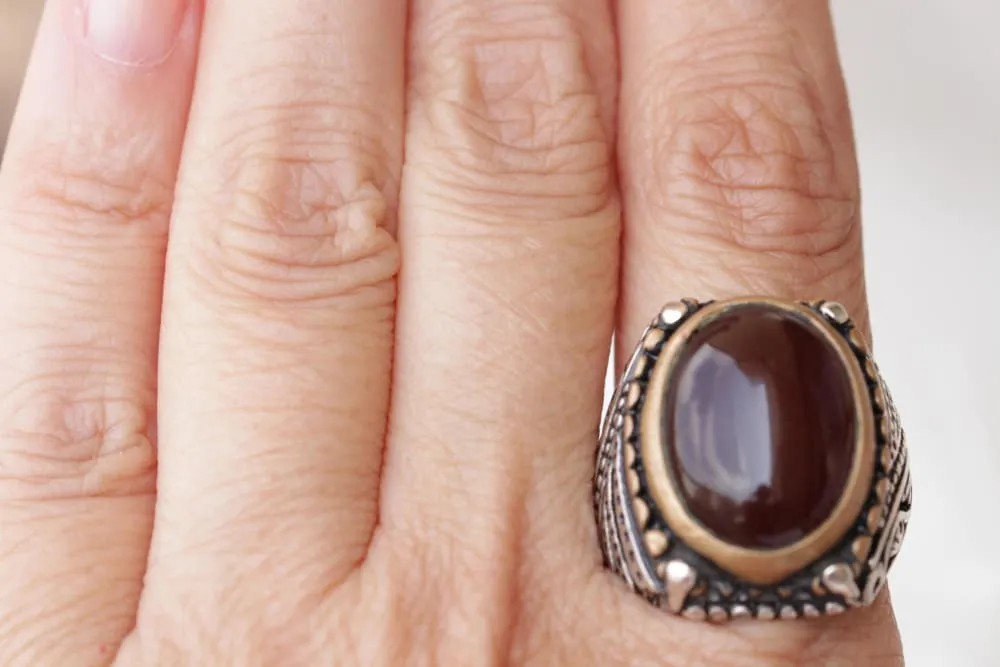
(689, 584)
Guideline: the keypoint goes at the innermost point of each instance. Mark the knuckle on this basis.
(417, 591)
(193, 620)
(752, 155)
(76, 189)
(286, 226)
(58, 444)
(512, 110)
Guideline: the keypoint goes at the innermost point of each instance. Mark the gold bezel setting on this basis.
(756, 566)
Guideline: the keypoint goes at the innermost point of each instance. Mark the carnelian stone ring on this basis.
(752, 464)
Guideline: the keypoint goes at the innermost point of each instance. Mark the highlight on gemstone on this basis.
(759, 426)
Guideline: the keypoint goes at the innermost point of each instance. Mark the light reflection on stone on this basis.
(760, 427)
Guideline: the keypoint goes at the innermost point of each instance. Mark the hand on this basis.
(223, 476)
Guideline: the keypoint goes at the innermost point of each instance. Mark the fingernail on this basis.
(133, 32)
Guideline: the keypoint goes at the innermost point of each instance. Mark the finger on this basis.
(509, 227)
(739, 177)
(737, 155)
(277, 321)
(85, 192)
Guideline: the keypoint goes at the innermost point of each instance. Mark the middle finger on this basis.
(509, 229)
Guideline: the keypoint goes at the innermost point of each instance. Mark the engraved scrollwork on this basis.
(896, 504)
(902, 521)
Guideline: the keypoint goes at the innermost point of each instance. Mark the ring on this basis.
(752, 464)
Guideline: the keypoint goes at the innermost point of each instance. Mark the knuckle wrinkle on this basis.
(54, 445)
(514, 109)
(749, 154)
(292, 228)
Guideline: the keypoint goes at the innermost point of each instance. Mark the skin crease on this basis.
(271, 394)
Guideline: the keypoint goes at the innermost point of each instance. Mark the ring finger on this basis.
(739, 177)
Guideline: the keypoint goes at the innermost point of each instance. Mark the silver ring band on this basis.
(752, 464)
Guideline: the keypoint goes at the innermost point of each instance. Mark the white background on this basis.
(924, 76)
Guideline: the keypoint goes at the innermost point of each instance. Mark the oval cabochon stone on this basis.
(760, 427)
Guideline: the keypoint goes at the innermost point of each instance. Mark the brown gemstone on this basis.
(760, 422)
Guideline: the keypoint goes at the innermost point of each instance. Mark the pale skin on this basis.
(302, 364)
